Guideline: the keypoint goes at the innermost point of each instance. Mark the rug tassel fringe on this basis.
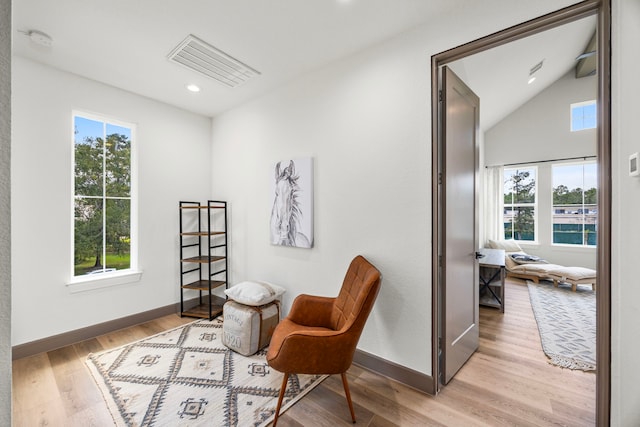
(566, 362)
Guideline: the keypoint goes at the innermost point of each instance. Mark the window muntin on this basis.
(575, 208)
(102, 196)
(520, 203)
(583, 116)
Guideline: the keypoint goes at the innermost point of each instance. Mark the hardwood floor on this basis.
(507, 382)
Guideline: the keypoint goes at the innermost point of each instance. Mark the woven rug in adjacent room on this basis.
(567, 324)
(187, 377)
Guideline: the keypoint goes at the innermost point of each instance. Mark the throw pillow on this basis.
(527, 259)
(507, 245)
(254, 293)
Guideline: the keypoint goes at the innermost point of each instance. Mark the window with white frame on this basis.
(583, 116)
(520, 203)
(102, 222)
(575, 204)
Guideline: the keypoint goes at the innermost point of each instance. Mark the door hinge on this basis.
(439, 178)
(440, 95)
(439, 260)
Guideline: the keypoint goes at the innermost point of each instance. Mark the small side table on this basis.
(492, 273)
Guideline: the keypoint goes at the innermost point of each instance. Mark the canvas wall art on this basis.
(292, 207)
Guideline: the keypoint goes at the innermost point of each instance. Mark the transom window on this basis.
(575, 208)
(520, 202)
(583, 116)
(102, 195)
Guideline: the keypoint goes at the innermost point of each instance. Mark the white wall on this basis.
(173, 153)
(5, 213)
(625, 306)
(365, 137)
(366, 122)
(540, 130)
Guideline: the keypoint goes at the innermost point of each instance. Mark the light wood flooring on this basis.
(507, 382)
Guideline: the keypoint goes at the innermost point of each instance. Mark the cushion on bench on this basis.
(574, 276)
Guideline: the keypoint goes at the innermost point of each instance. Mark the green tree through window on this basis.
(102, 196)
(520, 204)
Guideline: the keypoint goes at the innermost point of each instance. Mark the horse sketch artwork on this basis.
(292, 211)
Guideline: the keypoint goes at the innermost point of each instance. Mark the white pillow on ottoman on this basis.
(254, 293)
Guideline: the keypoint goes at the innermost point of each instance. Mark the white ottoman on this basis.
(574, 276)
(247, 329)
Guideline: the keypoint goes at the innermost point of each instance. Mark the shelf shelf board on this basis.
(202, 233)
(203, 285)
(204, 259)
(202, 310)
(201, 207)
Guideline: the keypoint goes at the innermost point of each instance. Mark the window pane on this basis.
(519, 223)
(88, 241)
(575, 209)
(88, 155)
(575, 234)
(583, 116)
(102, 192)
(589, 116)
(118, 161)
(520, 186)
(117, 233)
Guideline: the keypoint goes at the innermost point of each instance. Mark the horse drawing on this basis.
(286, 213)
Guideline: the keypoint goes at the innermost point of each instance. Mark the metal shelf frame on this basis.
(212, 251)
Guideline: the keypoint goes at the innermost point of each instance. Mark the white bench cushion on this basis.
(572, 273)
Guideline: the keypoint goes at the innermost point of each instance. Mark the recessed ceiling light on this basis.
(193, 88)
(531, 80)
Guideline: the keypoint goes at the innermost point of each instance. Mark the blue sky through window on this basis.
(583, 175)
(95, 128)
(583, 116)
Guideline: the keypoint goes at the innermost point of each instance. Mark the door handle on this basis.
(479, 255)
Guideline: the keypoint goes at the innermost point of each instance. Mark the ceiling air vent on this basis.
(535, 68)
(203, 58)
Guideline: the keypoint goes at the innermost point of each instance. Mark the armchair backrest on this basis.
(357, 295)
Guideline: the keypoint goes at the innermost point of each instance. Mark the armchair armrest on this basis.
(311, 310)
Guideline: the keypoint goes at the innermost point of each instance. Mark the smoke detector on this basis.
(39, 38)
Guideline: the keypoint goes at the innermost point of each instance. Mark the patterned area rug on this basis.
(187, 377)
(567, 324)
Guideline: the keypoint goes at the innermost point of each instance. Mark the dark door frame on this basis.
(602, 9)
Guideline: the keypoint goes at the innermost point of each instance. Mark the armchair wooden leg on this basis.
(346, 392)
(283, 389)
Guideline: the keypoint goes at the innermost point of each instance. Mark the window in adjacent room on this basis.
(102, 222)
(583, 116)
(520, 193)
(575, 209)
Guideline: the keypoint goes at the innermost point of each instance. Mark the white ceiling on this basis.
(125, 43)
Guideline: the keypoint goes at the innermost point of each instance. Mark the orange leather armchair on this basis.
(320, 334)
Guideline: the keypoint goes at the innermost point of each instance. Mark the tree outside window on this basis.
(102, 196)
(520, 204)
(575, 208)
